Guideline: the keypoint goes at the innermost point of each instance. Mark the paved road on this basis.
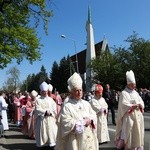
(147, 131)
(15, 140)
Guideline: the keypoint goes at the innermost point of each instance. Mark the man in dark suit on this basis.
(110, 99)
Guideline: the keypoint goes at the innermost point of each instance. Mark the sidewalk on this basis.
(2, 142)
(15, 140)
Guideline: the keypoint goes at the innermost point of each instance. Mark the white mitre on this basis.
(44, 86)
(75, 81)
(69, 88)
(34, 93)
(50, 87)
(130, 77)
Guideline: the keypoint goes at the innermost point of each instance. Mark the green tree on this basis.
(13, 81)
(18, 23)
(121, 57)
(33, 81)
(41, 76)
(137, 58)
(104, 68)
(30, 84)
(60, 74)
(55, 76)
(64, 71)
(111, 67)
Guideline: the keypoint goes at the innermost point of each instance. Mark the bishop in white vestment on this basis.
(100, 106)
(130, 122)
(3, 111)
(77, 121)
(45, 119)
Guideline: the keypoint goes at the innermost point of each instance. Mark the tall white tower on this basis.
(90, 52)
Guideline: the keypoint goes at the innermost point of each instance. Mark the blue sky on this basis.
(116, 19)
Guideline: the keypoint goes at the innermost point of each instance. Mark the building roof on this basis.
(82, 57)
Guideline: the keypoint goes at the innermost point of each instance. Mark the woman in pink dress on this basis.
(18, 113)
(58, 101)
(29, 117)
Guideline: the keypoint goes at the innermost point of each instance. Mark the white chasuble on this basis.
(130, 123)
(45, 126)
(101, 108)
(67, 139)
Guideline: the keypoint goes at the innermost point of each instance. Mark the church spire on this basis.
(89, 15)
(90, 52)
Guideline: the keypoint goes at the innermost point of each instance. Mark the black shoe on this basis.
(103, 143)
(114, 123)
(5, 136)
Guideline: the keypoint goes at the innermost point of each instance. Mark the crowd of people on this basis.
(76, 121)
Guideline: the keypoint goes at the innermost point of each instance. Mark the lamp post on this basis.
(74, 42)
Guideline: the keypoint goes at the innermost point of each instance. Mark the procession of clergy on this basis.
(77, 124)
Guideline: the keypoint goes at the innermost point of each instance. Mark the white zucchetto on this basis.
(44, 86)
(50, 87)
(75, 81)
(34, 93)
(130, 77)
